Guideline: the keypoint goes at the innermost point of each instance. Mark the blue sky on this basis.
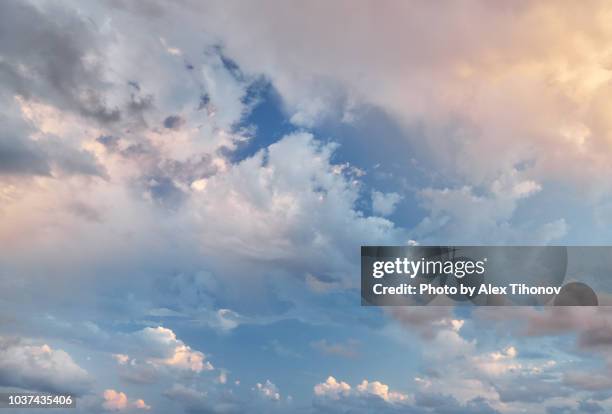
(184, 190)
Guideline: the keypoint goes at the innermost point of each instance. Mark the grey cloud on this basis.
(589, 407)
(174, 122)
(139, 373)
(21, 156)
(45, 56)
(72, 161)
(424, 403)
(164, 191)
(591, 381)
(85, 211)
(584, 407)
(110, 142)
(446, 404)
(213, 401)
(533, 391)
(592, 325)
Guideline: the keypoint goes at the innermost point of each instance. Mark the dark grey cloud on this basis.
(21, 155)
(45, 54)
(110, 142)
(174, 122)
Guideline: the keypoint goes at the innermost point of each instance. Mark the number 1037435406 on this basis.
(35, 400)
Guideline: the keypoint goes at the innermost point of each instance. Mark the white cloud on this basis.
(380, 390)
(121, 359)
(384, 203)
(118, 401)
(153, 352)
(172, 352)
(332, 388)
(40, 368)
(305, 211)
(268, 390)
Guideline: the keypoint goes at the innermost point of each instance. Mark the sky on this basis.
(185, 187)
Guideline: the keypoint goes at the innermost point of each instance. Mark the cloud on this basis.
(70, 76)
(426, 321)
(472, 104)
(268, 390)
(159, 348)
(21, 155)
(451, 214)
(118, 401)
(590, 324)
(333, 396)
(335, 390)
(194, 400)
(179, 229)
(306, 211)
(174, 122)
(40, 368)
(332, 388)
(384, 203)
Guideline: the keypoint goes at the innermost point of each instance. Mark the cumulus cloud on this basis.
(332, 388)
(155, 348)
(333, 396)
(118, 401)
(40, 368)
(306, 211)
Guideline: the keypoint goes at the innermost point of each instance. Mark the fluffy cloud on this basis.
(118, 401)
(40, 368)
(486, 104)
(332, 388)
(157, 348)
(120, 124)
(333, 396)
